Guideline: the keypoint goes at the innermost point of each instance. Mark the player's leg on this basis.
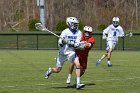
(59, 62)
(78, 83)
(71, 67)
(111, 45)
(99, 60)
(109, 57)
(72, 57)
(52, 70)
(83, 64)
(82, 72)
(103, 56)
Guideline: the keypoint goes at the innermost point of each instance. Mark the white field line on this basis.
(10, 86)
(82, 81)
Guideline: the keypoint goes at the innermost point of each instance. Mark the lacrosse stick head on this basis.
(39, 26)
(130, 34)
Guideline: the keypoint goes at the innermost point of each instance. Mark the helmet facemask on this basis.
(115, 23)
(87, 33)
(74, 26)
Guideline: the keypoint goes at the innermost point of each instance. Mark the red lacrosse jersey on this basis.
(83, 54)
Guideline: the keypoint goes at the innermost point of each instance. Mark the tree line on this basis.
(15, 14)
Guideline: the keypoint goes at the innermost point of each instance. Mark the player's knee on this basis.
(58, 70)
(77, 66)
(110, 50)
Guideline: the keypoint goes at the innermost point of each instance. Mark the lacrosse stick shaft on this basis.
(39, 26)
(52, 33)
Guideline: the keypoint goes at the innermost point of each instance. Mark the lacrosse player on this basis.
(70, 38)
(111, 34)
(82, 52)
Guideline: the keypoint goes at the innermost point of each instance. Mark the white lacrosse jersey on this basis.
(112, 33)
(74, 37)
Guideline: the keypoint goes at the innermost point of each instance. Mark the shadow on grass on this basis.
(74, 86)
(90, 84)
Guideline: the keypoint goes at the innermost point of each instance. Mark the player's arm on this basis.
(90, 43)
(77, 41)
(63, 40)
(105, 32)
(105, 35)
(86, 44)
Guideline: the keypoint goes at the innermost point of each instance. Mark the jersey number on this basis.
(72, 41)
(115, 33)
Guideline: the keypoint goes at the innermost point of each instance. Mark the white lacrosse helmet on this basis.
(115, 21)
(72, 23)
(87, 30)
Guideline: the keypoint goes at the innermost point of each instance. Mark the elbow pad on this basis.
(60, 42)
(104, 37)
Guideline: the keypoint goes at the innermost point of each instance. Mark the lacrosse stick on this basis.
(130, 34)
(42, 28)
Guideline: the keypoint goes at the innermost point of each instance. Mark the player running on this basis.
(111, 34)
(70, 38)
(88, 39)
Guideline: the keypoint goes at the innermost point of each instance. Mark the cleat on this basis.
(68, 81)
(109, 65)
(79, 86)
(97, 62)
(48, 73)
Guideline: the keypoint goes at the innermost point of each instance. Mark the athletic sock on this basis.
(103, 56)
(78, 80)
(109, 62)
(69, 75)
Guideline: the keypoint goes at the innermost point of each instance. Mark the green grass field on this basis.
(22, 71)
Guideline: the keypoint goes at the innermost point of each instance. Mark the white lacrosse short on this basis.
(111, 44)
(61, 58)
